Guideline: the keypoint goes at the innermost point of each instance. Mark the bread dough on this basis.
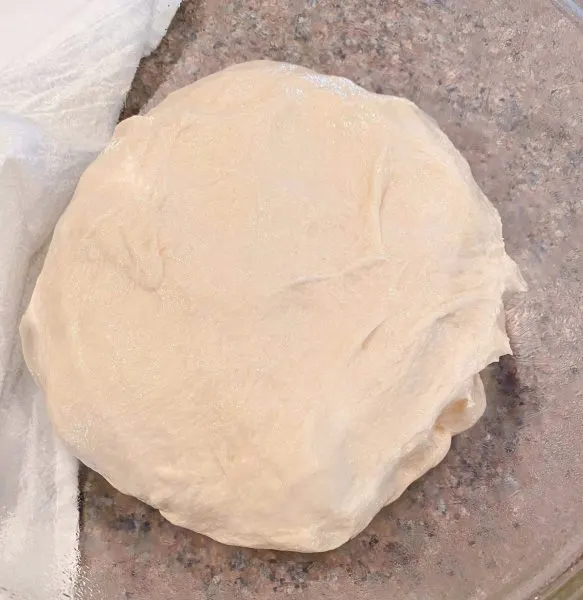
(265, 310)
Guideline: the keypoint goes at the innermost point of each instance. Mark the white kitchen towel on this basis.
(65, 68)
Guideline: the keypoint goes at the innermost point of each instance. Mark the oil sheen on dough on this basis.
(265, 310)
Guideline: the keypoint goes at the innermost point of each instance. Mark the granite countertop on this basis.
(505, 81)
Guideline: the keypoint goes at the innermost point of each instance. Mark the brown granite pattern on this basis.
(502, 514)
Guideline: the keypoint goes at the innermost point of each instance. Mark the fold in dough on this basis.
(265, 310)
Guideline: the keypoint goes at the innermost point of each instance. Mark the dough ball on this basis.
(265, 310)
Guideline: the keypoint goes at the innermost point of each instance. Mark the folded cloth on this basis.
(65, 67)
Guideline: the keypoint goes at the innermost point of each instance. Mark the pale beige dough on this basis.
(266, 308)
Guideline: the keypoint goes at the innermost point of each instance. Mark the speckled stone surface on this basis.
(503, 513)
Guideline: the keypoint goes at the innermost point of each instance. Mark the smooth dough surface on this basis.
(265, 310)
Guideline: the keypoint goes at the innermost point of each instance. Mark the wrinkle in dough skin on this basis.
(267, 306)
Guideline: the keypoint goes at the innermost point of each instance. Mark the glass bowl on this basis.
(502, 516)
